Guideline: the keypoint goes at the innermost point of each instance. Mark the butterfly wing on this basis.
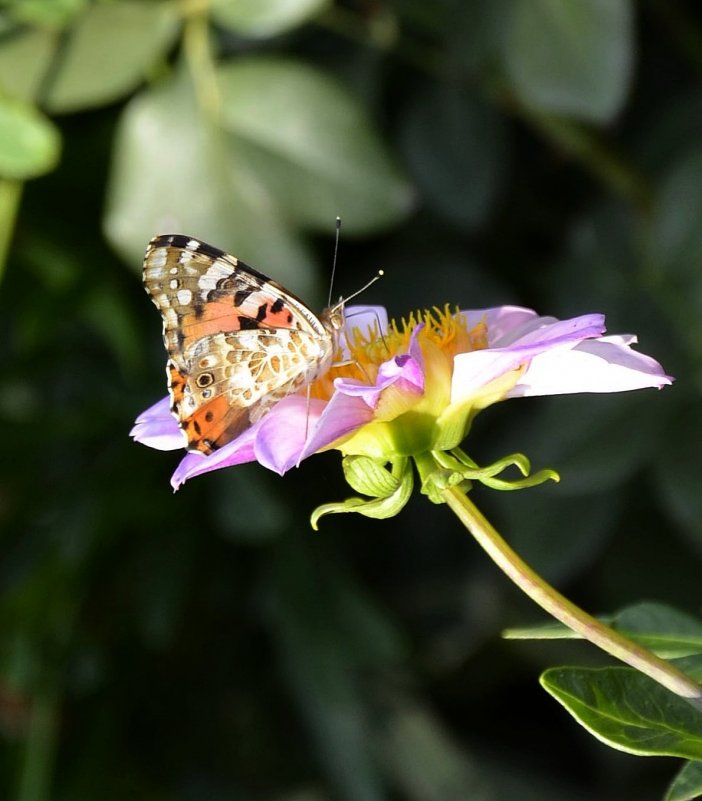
(237, 342)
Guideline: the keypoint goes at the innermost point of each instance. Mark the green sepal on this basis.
(540, 477)
(436, 482)
(458, 460)
(369, 476)
(389, 490)
(440, 470)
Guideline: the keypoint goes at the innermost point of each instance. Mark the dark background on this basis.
(208, 644)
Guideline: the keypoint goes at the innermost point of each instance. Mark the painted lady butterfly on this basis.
(237, 342)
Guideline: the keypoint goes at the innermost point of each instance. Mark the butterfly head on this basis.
(335, 315)
(333, 320)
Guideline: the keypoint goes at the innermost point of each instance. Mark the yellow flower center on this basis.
(445, 332)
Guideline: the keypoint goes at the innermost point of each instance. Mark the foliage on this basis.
(209, 645)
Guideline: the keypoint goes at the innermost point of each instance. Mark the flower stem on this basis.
(40, 750)
(563, 610)
(10, 195)
(198, 52)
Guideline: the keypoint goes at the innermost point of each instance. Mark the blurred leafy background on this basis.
(208, 646)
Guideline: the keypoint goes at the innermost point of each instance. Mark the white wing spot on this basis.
(248, 340)
(216, 272)
(185, 297)
(158, 257)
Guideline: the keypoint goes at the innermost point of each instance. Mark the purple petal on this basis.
(405, 370)
(157, 428)
(238, 451)
(504, 323)
(353, 403)
(607, 364)
(476, 369)
(281, 436)
(342, 415)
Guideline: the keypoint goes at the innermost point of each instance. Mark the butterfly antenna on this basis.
(375, 278)
(336, 251)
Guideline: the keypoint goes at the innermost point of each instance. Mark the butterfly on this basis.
(237, 342)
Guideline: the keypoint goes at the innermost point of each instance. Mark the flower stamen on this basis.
(446, 328)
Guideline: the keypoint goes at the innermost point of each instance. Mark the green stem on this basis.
(198, 52)
(10, 195)
(590, 149)
(37, 768)
(563, 610)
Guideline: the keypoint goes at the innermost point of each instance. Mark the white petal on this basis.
(602, 365)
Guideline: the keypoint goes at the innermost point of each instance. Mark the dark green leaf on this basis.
(677, 473)
(246, 507)
(675, 236)
(455, 146)
(173, 172)
(326, 630)
(25, 56)
(29, 142)
(596, 441)
(687, 785)
(418, 753)
(559, 535)
(265, 17)
(571, 58)
(628, 710)
(49, 13)
(666, 631)
(303, 135)
(110, 51)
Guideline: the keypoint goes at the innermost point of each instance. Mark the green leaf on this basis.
(627, 710)
(110, 51)
(557, 534)
(112, 318)
(666, 631)
(10, 197)
(423, 760)
(304, 136)
(675, 239)
(29, 143)
(49, 13)
(455, 145)
(172, 172)
(295, 150)
(260, 18)
(239, 515)
(25, 57)
(687, 785)
(661, 628)
(331, 640)
(572, 58)
(677, 476)
(602, 439)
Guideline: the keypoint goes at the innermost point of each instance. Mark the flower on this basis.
(405, 390)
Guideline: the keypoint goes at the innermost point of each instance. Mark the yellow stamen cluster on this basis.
(446, 329)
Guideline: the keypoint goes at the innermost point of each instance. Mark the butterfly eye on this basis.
(204, 380)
